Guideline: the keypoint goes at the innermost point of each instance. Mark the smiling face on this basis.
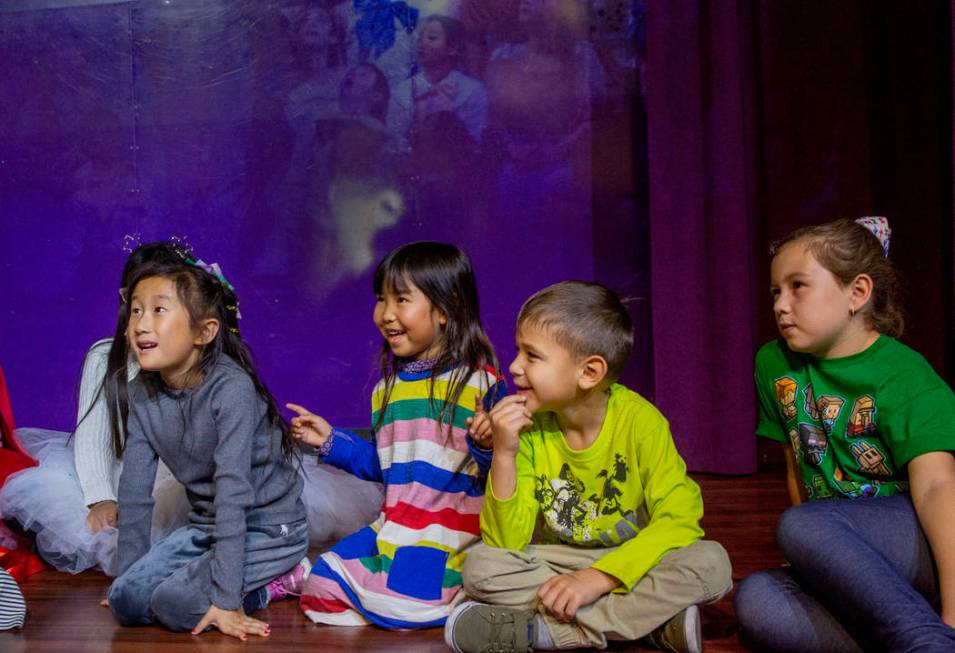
(432, 47)
(544, 372)
(160, 333)
(409, 322)
(812, 308)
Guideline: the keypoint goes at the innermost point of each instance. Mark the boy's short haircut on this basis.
(586, 319)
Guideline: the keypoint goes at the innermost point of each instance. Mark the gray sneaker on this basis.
(681, 634)
(480, 628)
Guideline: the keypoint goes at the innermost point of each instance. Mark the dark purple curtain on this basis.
(764, 117)
(701, 207)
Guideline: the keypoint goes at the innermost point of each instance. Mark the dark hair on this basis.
(455, 34)
(379, 110)
(113, 386)
(205, 296)
(584, 318)
(443, 274)
(847, 249)
(335, 51)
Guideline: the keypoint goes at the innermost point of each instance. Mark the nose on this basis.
(516, 368)
(780, 304)
(141, 323)
(388, 311)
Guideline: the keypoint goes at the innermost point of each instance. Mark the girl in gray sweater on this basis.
(199, 406)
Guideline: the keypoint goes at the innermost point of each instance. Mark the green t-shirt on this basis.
(854, 422)
(628, 491)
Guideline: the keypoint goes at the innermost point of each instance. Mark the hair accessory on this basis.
(131, 242)
(182, 247)
(216, 271)
(879, 226)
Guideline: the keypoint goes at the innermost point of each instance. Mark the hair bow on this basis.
(879, 226)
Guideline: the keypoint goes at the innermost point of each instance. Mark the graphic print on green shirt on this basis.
(855, 422)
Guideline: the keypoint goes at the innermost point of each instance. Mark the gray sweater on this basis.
(217, 441)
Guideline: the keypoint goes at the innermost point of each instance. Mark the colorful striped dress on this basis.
(404, 570)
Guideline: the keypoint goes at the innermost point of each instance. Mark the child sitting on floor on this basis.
(404, 569)
(199, 406)
(866, 425)
(591, 468)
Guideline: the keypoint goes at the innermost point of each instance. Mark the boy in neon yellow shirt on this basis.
(587, 469)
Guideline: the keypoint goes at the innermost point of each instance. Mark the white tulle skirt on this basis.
(337, 503)
(47, 501)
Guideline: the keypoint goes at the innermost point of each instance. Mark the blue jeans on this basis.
(862, 577)
(171, 584)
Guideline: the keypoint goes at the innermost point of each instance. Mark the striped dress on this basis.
(404, 570)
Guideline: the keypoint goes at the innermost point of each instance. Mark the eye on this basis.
(379, 298)
(532, 356)
(798, 284)
(136, 311)
(774, 292)
(403, 300)
(159, 309)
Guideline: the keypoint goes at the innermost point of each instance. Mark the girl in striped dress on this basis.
(404, 569)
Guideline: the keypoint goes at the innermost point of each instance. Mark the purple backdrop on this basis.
(260, 132)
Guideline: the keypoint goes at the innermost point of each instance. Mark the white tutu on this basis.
(47, 501)
(337, 503)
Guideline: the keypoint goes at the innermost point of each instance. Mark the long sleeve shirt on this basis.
(96, 464)
(628, 491)
(218, 442)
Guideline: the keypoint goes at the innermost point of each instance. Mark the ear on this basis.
(442, 318)
(860, 291)
(207, 332)
(591, 372)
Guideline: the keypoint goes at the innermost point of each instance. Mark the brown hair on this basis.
(847, 249)
(584, 318)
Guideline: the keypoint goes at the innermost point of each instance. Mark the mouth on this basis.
(524, 391)
(785, 327)
(144, 347)
(393, 336)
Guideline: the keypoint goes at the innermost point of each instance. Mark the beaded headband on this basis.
(879, 226)
(182, 247)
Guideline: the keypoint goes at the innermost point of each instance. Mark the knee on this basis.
(753, 598)
(476, 561)
(714, 567)
(171, 603)
(481, 561)
(802, 528)
(128, 603)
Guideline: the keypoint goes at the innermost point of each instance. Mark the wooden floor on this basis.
(65, 616)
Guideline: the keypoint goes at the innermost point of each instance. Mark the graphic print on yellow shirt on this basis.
(572, 516)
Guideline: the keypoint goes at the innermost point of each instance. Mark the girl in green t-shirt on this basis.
(862, 417)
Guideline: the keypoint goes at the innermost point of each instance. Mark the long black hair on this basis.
(444, 275)
(205, 296)
(113, 387)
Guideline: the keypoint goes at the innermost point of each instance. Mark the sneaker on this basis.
(681, 634)
(290, 583)
(478, 628)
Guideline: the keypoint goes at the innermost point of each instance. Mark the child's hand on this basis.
(101, 515)
(232, 622)
(479, 426)
(565, 594)
(508, 418)
(309, 428)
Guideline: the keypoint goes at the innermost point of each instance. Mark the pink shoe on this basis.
(290, 583)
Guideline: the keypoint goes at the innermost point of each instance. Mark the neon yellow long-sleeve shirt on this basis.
(629, 489)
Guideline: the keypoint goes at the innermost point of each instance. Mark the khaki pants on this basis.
(699, 573)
